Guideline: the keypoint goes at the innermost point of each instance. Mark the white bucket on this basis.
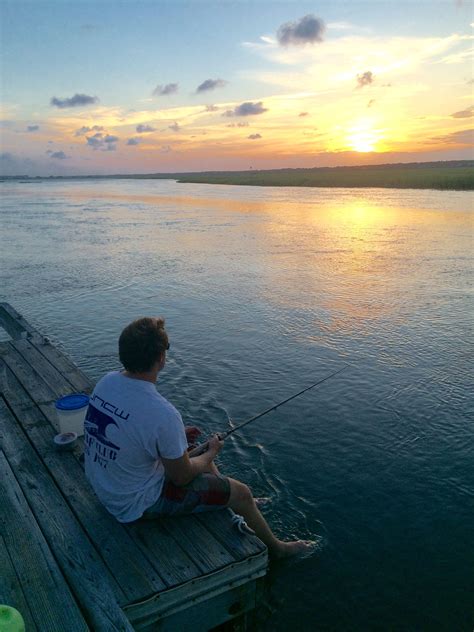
(71, 411)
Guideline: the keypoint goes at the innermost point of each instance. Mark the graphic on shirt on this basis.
(109, 407)
(96, 442)
(96, 424)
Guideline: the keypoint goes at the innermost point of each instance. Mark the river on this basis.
(264, 291)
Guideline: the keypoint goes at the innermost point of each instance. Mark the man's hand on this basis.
(215, 445)
(182, 471)
(192, 434)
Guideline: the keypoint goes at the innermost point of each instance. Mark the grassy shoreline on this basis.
(416, 176)
(451, 175)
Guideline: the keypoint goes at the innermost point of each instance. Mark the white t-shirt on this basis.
(129, 426)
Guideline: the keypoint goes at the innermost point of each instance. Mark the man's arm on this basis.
(183, 470)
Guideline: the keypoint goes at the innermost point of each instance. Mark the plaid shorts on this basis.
(205, 493)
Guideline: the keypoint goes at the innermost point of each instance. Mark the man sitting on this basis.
(136, 450)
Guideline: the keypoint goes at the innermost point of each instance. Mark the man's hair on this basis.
(141, 344)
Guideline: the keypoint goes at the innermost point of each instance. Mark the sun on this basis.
(362, 137)
(362, 142)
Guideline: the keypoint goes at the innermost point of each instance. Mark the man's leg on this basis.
(213, 469)
(242, 502)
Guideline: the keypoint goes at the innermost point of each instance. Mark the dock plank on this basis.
(203, 590)
(94, 586)
(43, 585)
(9, 387)
(13, 322)
(58, 383)
(11, 593)
(240, 544)
(200, 544)
(19, 328)
(78, 380)
(128, 564)
(173, 564)
(204, 615)
(30, 379)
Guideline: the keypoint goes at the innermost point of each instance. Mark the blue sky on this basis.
(120, 51)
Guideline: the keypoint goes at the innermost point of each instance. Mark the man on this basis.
(136, 451)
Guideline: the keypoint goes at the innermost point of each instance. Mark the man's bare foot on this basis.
(289, 549)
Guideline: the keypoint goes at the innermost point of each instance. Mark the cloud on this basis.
(307, 30)
(239, 124)
(133, 141)
(246, 109)
(165, 149)
(95, 141)
(103, 142)
(6, 156)
(457, 57)
(461, 137)
(211, 84)
(57, 155)
(73, 102)
(254, 136)
(169, 88)
(211, 108)
(175, 127)
(141, 129)
(84, 130)
(346, 26)
(339, 60)
(249, 109)
(32, 128)
(467, 113)
(301, 114)
(365, 79)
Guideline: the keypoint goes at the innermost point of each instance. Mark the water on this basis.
(266, 290)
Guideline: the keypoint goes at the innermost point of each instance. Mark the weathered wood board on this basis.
(41, 592)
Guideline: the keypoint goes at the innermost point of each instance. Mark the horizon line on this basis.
(180, 173)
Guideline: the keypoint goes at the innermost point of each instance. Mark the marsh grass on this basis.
(455, 176)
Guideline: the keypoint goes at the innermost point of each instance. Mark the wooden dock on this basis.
(66, 563)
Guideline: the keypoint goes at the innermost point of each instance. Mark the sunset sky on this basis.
(111, 87)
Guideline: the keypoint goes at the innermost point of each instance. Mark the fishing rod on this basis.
(203, 447)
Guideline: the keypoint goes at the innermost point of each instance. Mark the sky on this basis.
(110, 87)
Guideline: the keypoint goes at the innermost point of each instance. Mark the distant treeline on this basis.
(437, 175)
(453, 175)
